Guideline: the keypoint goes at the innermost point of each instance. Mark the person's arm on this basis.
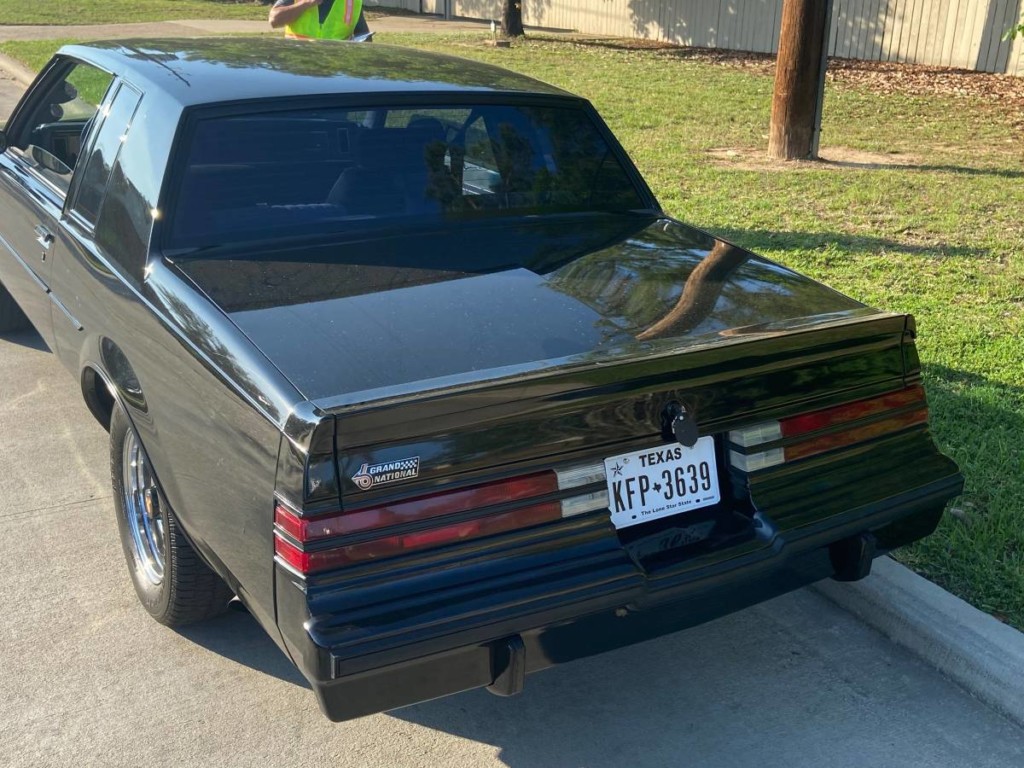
(280, 15)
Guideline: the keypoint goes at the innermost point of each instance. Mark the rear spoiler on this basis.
(464, 432)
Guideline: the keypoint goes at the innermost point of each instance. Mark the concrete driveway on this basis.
(87, 679)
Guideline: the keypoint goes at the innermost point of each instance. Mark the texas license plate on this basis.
(659, 482)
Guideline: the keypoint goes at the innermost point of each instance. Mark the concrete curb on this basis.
(17, 70)
(971, 648)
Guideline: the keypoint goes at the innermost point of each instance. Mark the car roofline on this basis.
(180, 70)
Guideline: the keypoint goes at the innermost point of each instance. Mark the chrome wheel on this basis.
(143, 511)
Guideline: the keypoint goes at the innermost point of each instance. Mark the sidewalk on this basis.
(197, 27)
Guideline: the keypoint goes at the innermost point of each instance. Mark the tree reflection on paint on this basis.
(700, 292)
(672, 281)
(327, 58)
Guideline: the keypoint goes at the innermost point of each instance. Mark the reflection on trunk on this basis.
(701, 292)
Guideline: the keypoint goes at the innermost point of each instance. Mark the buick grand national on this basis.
(402, 353)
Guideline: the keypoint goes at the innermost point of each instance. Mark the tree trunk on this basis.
(512, 18)
(799, 73)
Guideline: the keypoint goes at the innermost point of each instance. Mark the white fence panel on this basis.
(960, 33)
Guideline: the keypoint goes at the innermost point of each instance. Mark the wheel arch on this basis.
(111, 381)
(102, 393)
(99, 394)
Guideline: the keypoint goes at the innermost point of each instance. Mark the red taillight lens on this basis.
(434, 506)
(856, 434)
(828, 429)
(420, 508)
(860, 409)
(389, 546)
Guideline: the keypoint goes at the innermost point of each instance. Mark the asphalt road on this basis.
(87, 679)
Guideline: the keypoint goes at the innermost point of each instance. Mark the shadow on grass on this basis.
(957, 169)
(238, 637)
(762, 240)
(978, 550)
(714, 55)
(980, 422)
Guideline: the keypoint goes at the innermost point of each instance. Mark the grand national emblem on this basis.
(386, 472)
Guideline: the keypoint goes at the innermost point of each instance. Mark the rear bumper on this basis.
(595, 602)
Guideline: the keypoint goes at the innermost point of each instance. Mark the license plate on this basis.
(659, 482)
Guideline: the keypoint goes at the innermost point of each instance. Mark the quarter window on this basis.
(113, 132)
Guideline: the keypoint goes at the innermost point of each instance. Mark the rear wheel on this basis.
(172, 582)
(11, 316)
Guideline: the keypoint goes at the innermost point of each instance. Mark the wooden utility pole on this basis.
(512, 18)
(799, 79)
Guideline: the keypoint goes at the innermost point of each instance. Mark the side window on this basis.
(125, 225)
(51, 139)
(113, 132)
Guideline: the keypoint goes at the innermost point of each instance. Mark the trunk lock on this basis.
(677, 423)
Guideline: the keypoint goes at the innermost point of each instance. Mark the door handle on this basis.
(44, 236)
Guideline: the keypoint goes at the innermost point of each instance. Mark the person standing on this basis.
(319, 19)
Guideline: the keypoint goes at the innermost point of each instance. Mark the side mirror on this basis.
(49, 161)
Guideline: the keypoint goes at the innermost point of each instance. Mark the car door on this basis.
(44, 137)
(97, 259)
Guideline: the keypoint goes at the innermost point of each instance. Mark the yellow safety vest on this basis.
(339, 24)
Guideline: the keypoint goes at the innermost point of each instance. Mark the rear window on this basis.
(280, 174)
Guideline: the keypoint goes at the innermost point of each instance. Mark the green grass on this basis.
(33, 54)
(942, 238)
(125, 11)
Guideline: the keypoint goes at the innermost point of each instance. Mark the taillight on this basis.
(809, 434)
(420, 508)
(309, 543)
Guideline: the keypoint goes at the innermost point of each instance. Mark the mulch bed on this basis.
(919, 80)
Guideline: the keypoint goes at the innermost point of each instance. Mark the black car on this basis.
(401, 351)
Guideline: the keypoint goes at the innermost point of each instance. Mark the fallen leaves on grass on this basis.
(1005, 91)
(918, 80)
(878, 76)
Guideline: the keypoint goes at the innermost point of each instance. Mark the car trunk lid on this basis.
(377, 316)
(583, 413)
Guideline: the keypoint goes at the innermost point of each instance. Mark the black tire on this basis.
(173, 584)
(11, 316)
